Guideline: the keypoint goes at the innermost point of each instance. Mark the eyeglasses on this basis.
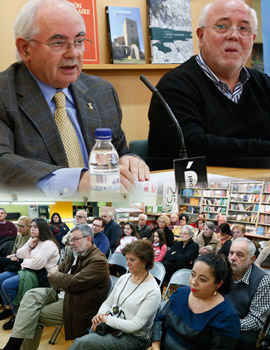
(61, 46)
(227, 29)
(77, 239)
(79, 217)
(96, 225)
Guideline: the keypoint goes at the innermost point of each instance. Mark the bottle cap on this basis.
(103, 134)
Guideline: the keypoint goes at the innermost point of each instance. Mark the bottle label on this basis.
(105, 182)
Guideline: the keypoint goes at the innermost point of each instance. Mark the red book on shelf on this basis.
(88, 11)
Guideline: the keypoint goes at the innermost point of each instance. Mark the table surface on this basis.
(243, 173)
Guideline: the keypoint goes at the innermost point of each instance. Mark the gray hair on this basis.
(85, 230)
(25, 26)
(143, 215)
(251, 245)
(204, 13)
(210, 225)
(190, 230)
(108, 211)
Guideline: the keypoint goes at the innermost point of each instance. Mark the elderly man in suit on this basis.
(50, 41)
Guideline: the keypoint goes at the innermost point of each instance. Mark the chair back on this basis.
(179, 278)
(158, 271)
(118, 259)
(113, 280)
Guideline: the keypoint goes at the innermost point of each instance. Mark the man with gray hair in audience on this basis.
(142, 228)
(83, 277)
(251, 292)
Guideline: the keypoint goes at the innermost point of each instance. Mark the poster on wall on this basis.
(88, 11)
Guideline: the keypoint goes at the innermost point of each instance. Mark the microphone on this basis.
(188, 171)
(182, 149)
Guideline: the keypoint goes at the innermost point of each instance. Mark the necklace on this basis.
(116, 308)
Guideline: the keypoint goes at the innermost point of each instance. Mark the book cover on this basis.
(125, 34)
(88, 11)
(170, 30)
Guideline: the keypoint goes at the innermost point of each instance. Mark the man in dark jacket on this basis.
(112, 229)
(84, 278)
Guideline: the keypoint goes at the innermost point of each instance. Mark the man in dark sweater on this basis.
(142, 228)
(8, 233)
(223, 108)
(250, 294)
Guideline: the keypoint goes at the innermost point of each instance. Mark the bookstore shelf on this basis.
(110, 66)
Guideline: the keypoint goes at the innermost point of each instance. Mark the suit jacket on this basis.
(30, 144)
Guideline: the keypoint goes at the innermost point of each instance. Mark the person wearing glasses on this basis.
(100, 239)
(48, 104)
(83, 277)
(222, 106)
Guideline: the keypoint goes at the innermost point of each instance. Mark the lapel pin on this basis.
(90, 105)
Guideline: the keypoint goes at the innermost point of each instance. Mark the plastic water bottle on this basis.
(104, 164)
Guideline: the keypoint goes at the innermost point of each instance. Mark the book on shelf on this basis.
(170, 30)
(88, 11)
(260, 230)
(125, 34)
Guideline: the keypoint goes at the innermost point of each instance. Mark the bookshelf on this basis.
(246, 203)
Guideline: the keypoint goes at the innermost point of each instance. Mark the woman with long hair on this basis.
(38, 255)
(128, 235)
(58, 228)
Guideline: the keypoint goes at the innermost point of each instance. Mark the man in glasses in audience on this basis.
(222, 106)
(49, 109)
(79, 286)
(101, 240)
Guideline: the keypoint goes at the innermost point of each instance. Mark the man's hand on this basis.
(131, 169)
(52, 271)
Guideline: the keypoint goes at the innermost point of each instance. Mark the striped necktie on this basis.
(67, 132)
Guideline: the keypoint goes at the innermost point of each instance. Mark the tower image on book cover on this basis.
(125, 34)
(170, 30)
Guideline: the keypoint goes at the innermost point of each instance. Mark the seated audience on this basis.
(263, 260)
(130, 309)
(142, 228)
(128, 235)
(250, 294)
(221, 219)
(199, 316)
(58, 228)
(208, 240)
(10, 261)
(159, 245)
(182, 254)
(224, 233)
(237, 231)
(39, 255)
(199, 225)
(174, 221)
(8, 233)
(112, 229)
(100, 239)
(83, 277)
(163, 223)
(183, 219)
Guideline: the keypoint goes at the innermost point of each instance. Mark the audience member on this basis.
(130, 309)
(182, 254)
(159, 244)
(221, 219)
(199, 316)
(142, 228)
(237, 231)
(58, 228)
(183, 220)
(80, 219)
(50, 41)
(112, 229)
(100, 239)
(250, 294)
(84, 278)
(39, 255)
(8, 233)
(226, 33)
(208, 240)
(174, 221)
(128, 235)
(199, 225)
(224, 233)
(163, 222)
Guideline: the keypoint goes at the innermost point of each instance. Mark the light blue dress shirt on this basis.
(63, 182)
